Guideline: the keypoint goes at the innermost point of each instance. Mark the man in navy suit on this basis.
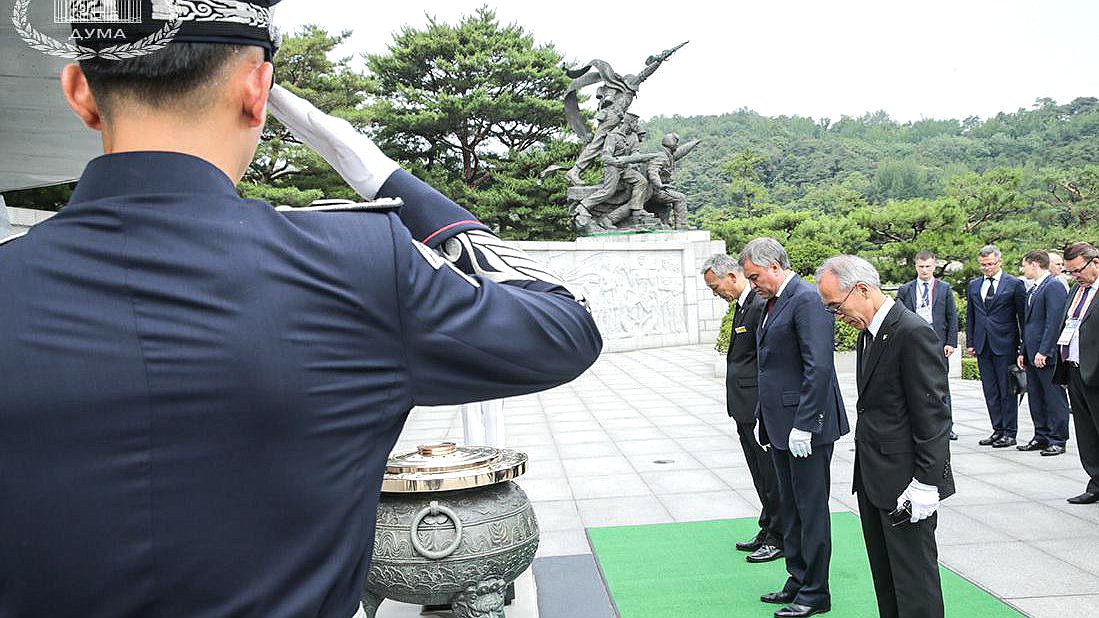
(933, 300)
(802, 415)
(994, 312)
(725, 277)
(1045, 306)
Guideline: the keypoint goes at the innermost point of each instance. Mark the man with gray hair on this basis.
(802, 415)
(726, 280)
(994, 312)
(902, 445)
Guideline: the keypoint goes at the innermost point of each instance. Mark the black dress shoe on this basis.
(1053, 449)
(1085, 498)
(765, 553)
(779, 598)
(996, 435)
(1004, 442)
(797, 610)
(953, 436)
(755, 543)
(1034, 445)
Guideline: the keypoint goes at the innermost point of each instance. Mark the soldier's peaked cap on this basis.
(232, 22)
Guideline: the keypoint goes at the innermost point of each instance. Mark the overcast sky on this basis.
(915, 59)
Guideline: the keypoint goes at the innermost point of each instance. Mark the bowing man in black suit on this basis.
(726, 279)
(902, 451)
(1045, 307)
(802, 416)
(933, 300)
(1079, 351)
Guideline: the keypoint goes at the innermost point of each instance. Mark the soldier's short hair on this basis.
(177, 75)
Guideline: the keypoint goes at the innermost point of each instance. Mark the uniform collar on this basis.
(136, 173)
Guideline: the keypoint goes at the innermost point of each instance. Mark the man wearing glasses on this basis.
(802, 415)
(902, 452)
(995, 309)
(1078, 346)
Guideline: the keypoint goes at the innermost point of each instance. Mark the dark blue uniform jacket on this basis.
(200, 393)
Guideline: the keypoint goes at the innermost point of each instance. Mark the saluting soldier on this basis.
(202, 390)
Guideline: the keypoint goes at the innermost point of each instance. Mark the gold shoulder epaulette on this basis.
(378, 205)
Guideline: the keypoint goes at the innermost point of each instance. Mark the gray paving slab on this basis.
(664, 482)
(1016, 569)
(1059, 607)
(707, 505)
(653, 423)
(571, 586)
(609, 486)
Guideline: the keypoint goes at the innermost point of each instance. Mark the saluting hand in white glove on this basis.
(355, 156)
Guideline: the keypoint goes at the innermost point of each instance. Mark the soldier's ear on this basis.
(255, 90)
(79, 96)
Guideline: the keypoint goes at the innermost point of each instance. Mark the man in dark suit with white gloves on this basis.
(1045, 306)
(995, 305)
(902, 452)
(725, 278)
(802, 415)
(933, 300)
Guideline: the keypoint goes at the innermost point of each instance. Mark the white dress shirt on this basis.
(743, 296)
(879, 317)
(984, 284)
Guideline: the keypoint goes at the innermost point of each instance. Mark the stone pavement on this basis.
(643, 437)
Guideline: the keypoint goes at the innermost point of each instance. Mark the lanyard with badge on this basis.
(1072, 323)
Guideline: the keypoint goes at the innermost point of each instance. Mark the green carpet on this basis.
(692, 570)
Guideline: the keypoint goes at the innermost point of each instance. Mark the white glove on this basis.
(924, 499)
(355, 156)
(801, 443)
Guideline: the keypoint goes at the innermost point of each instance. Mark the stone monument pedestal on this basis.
(645, 289)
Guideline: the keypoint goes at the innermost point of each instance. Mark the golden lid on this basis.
(445, 467)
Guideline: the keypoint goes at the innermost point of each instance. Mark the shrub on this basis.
(969, 368)
(724, 335)
(846, 337)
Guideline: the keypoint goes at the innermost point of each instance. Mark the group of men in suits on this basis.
(902, 465)
(1012, 322)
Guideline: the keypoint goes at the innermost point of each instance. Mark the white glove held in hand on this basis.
(924, 499)
(801, 443)
(361, 163)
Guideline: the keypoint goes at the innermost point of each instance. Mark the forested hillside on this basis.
(823, 165)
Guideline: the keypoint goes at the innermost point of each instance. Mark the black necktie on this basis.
(991, 291)
(926, 297)
(867, 342)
